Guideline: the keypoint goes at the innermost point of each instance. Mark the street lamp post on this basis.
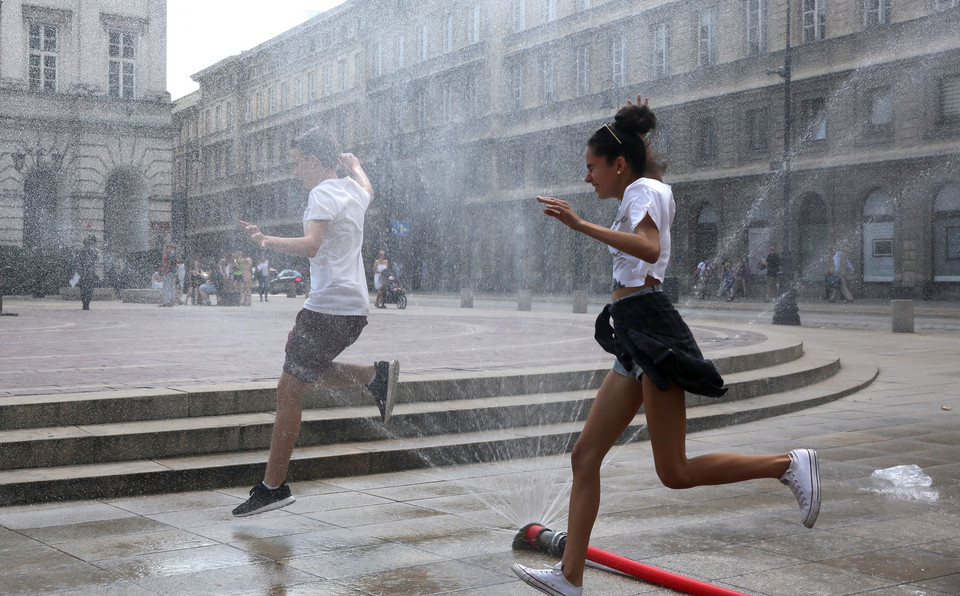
(786, 311)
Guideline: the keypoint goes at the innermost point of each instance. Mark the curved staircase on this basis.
(85, 446)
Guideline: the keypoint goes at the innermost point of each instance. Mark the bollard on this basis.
(525, 300)
(901, 315)
(466, 297)
(580, 301)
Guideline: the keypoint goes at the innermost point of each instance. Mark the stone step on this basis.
(36, 411)
(163, 475)
(175, 437)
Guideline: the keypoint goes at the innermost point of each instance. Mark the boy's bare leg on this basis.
(286, 427)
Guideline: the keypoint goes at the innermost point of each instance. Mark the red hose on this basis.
(644, 572)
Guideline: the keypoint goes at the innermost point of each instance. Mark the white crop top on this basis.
(644, 197)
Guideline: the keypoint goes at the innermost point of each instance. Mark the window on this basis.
(259, 104)
(881, 110)
(945, 4)
(229, 115)
(271, 101)
(424, 43)
(448, 33)
(122, 56)
(475, 23)
(43, 57)
(298, 92)
(342, 74)
(583, 4)
(756, 27)
(378, 61)
(421, 108)
(357, 69)
(661, 49)
(707, 37)
(218, 118)
(583, 70)
(327, 80)
(815, 119)
(446, 103)
(757, 127)
(400, 48)
(950, 98)
(519, 15)
(814, 20)
(312, 86)
(551, 9)
(548, 88)
(875, 13)
(619, 61)
(516, 82)
(707, 148)
(285, 96)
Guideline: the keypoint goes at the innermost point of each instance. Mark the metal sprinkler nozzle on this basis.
(540, 538)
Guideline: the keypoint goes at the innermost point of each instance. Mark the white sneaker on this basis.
(549, 580)
(803, 478)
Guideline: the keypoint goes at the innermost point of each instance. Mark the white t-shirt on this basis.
(338, 285)
(645, 196)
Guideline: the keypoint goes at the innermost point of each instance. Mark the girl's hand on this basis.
(349, 162)
(255, 234)
(562, 211)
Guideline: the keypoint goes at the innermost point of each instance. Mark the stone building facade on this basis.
(85, 135)
(464, 110)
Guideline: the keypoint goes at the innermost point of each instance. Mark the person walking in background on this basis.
(194, 281)
(263, 278)
(657, 358)
(336, 308)
(740, 276)
(378, 267)
(843, 268)
(726, 280)
(772, 264)
(181, 280)
(246, 276)
(168, 273)
(87, 269)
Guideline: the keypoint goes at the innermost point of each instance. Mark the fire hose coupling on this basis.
(551, 542)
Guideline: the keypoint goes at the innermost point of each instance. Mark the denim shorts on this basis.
(618, 367)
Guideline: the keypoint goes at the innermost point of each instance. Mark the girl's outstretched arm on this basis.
(643, 243)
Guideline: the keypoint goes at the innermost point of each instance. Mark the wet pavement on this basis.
(449, 530)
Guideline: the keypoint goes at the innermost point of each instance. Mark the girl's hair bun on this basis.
(635, 119)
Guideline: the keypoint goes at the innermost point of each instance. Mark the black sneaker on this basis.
(384, 386)
(264, 499)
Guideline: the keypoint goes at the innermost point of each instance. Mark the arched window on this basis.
(814, 247)
(946, 234)
(878, 237)
(706, 234)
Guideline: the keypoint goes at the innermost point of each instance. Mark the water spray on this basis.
(552, 543)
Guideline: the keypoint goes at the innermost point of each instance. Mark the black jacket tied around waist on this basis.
(649, 331)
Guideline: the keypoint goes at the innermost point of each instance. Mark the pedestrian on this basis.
(772, 264)
(657, 358)
(168, 271)
(378, 267)
(727, 278)
(741, 274)
(335, 311)
(702, 275)
(181, 280)
(843, 268)
(246, 274)
(194, 281)
(87, 268)
(263, 278)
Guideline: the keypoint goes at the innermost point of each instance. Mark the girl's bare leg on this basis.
(616, 404)
(667, 422)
